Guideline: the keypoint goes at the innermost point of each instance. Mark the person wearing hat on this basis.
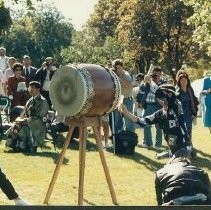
(44, 76)
(180, 183)
(169, 118)
(206, 91)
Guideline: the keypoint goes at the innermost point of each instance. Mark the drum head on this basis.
(68, 91)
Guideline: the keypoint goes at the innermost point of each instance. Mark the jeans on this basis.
(150, 109)
(121, 122)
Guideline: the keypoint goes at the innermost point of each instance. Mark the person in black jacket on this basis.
(169, 118)
(28, 70)
(8, 189)
(180, 183)
(44, 75)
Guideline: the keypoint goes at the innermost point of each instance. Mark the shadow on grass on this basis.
(203, 153)
(202, 161)
(74, 144)
(48, 151)
(151, 148)
(149, 163)
(54, 155)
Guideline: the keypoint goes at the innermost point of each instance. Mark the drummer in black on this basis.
(169, 118)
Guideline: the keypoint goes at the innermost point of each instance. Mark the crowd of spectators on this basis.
(153, 99)
(27, 89)
(139, 98)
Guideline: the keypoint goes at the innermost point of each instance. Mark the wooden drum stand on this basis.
(82, 123)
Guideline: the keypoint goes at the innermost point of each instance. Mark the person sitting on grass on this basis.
(29, 129)
(169, 118)
(180, 183)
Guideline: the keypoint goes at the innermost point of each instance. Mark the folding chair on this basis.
(5, 105)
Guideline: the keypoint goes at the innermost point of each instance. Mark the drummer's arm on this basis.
(142, 122)
(128, 114)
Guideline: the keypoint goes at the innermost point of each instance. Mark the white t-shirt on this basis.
(2, 92)
(3, 63)
(9, 72)
(46, 84)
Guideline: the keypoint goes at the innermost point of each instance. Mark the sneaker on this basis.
(162, 155)
(21, 202)
(157, 148)
(146, 146)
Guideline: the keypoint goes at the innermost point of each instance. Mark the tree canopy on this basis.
(165, 32)
(202, 21)
(148, 30)
(5, 18)
(44, 34)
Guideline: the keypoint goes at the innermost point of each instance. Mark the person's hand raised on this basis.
(147, 79)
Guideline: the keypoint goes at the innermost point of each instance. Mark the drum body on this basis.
(84, 90)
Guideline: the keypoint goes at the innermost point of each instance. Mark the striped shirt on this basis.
(151, 95)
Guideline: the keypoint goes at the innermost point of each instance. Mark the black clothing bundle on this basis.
(181, 179)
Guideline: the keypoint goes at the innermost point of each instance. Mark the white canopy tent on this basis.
(197, 86)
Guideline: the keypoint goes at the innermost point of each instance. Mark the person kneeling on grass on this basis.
(180, 183)
(8, 189)
(169, 118)
(29, 129)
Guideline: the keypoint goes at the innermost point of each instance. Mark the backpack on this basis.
(125, 142)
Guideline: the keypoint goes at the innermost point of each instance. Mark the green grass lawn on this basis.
(132, 176)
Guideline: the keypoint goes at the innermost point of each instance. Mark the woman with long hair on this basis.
(188, 99)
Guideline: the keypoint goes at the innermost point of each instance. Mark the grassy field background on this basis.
(132, 176)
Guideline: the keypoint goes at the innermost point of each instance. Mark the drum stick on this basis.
(150, 69)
